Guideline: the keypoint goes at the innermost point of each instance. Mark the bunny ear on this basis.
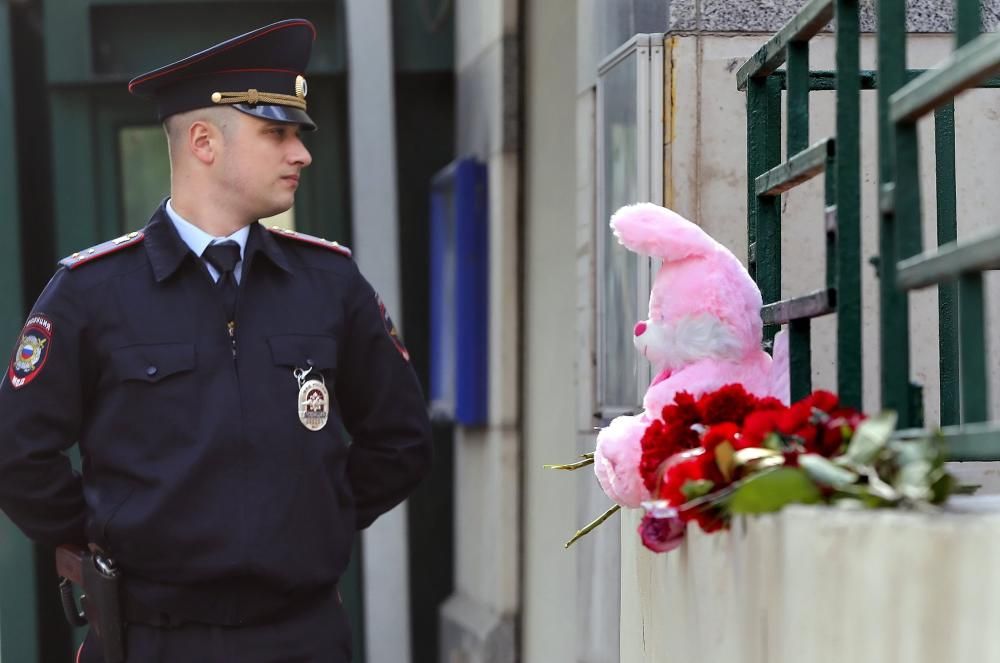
(655, 231)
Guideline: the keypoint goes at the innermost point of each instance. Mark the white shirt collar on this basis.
(197, 239)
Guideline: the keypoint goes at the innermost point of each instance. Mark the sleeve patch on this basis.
(390, 329)
(32, 351)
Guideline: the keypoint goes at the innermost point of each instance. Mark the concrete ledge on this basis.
(822, 585)
(473, 633)
(746, 16)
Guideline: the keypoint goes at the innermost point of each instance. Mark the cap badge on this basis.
(301, 87)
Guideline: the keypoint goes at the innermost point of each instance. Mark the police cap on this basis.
(260, 73)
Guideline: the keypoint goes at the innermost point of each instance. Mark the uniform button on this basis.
(309, 362)
(151, 371)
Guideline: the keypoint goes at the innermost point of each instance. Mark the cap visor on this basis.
(285, 114)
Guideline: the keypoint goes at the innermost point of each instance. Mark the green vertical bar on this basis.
(894, 316)
(947, 224)
(800, 358)
(971, 320)
(830, 201)
(763, 153)
(972, 323)
(797, 97)
(18, 604)
(968, 22)
(848, 196)
(908, 240)
(797, 135)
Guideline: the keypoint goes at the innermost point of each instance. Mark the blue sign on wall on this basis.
(459, 294)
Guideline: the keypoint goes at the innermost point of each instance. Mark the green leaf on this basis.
(914, 480)
(755, 459)
(725, 458)
(696, 488)
(825, 472)
(772, 490)
(773, 442)
(943, 485)
(955, 488)
(858, 495)
(871, 437)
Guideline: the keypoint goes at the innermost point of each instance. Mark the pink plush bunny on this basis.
(704, 331)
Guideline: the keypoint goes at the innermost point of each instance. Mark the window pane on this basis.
(619, 271)
(618, 20)
(145, 172)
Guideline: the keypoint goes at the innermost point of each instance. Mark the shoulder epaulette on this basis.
(101, 250)
(309, 239)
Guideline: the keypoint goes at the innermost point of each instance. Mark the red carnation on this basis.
(717, 434)
(769, 403)
(795, 418)
(836, 432)
(690, 466)
(757, 426)
(683, 412)
(824, 401)
(685, 467)
(673, 434)
(729, 403)
(658, 443)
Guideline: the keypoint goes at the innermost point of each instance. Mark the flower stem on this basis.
(573, 466)
(592, 525)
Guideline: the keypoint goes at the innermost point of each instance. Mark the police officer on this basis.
(242, 402)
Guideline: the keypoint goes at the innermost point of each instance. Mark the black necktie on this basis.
(224, 256)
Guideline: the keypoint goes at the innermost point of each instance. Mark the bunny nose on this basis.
(640, 328)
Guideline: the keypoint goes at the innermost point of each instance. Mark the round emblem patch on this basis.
(32, 351)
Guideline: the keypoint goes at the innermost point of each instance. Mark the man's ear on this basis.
(203, 140)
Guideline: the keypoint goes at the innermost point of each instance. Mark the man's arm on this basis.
(383, 409)
(40, 410)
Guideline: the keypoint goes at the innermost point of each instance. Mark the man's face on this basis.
(260, 164)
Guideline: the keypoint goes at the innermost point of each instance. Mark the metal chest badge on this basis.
(314, 399)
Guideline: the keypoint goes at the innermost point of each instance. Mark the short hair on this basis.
(177, 125)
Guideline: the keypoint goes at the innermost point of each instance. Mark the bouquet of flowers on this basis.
(730, 452)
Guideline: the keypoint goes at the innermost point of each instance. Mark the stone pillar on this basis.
(479, 621)
(375, 243)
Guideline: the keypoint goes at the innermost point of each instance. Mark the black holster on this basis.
(101, 583)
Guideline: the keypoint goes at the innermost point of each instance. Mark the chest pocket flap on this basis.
(152, 362)
(303, 351)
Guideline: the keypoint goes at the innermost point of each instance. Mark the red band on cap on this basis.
(157, 74)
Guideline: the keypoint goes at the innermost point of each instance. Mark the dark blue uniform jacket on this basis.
(198, 477)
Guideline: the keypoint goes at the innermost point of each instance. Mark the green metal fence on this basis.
(837, 156)
(955, 267)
